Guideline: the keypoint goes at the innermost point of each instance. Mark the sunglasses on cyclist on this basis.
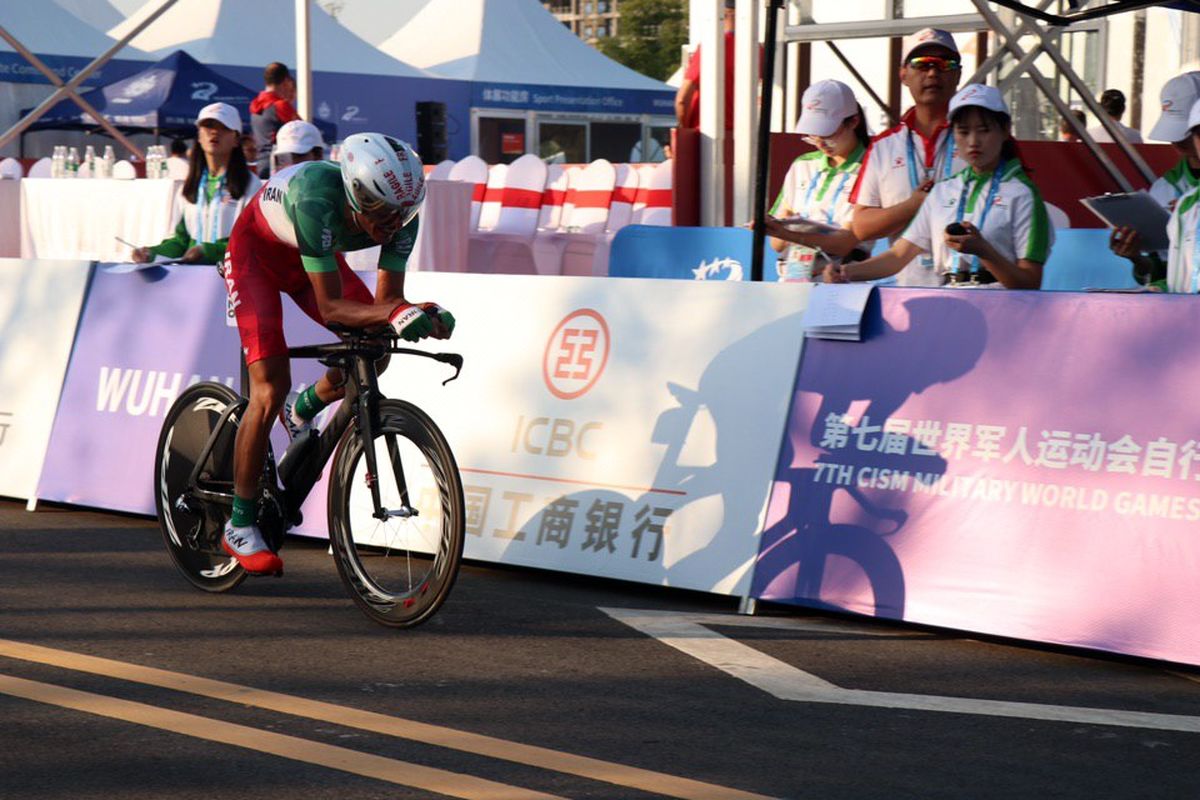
(936, 63)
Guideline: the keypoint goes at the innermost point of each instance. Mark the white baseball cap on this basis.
(297, 137)
(1178, 95)
(927, 37)
(824, 105)
(977, 94)
(1193, 116)
(223, 113)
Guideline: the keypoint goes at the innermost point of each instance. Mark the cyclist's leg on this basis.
(259, 314)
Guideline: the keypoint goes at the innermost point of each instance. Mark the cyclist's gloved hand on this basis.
(444, 324)
(411, 322)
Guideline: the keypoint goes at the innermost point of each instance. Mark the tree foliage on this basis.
(649, 36)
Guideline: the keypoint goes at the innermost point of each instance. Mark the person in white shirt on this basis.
(1178, 95)
(1183, 260)
(987, 224)
(1113, 103)
(177, 162)
(902, 164)
(817, 185)
(295, 142)
(217, 187)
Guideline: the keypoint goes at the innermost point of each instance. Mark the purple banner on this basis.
(144, 337)
(1014, 463)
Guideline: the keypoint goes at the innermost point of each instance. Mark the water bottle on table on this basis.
(72, 162)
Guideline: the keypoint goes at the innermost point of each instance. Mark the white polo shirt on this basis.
(886, 178)
(1174, 184)
(816, 188)
(1183, 270)
(1016, 225)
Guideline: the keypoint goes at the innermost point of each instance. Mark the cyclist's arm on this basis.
(327, 288)
(393, 261)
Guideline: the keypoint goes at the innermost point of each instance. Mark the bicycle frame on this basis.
(356, 355)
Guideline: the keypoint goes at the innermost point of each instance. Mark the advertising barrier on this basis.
(1022, 464)
(600, 430)
(595, 433)
(144, 337)
(39, 310)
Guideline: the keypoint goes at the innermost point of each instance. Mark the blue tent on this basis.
(165, 96)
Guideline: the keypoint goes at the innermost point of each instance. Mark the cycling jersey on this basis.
(295, 225)
(303, 207)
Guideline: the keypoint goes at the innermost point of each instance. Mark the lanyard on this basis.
(993, 191)
(1194, 286)
(818, 179)
(210, 222)
(947, 149)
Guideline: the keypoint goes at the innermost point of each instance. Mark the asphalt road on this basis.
(118, 680)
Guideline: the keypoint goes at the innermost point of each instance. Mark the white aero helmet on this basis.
(382, 174)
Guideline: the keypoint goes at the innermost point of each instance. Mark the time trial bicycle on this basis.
(395, 507)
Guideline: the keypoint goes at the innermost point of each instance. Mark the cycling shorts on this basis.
(259, 268)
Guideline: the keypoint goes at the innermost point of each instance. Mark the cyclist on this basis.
(290, 240)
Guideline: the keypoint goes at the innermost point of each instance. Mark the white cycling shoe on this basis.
(250, 549)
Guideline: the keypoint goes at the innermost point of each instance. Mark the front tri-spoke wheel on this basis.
(400, 562)
(192, 529)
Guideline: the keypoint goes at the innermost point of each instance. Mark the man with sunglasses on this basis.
(902, 164)
(290, 239)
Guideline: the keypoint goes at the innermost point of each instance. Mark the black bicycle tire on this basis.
(433, 445)
(186, 403)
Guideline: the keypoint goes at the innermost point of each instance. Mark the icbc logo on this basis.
(576, 354)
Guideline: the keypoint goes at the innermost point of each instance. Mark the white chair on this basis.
(10, 170)
(653, 203)
(584, 217)
(506, 246)
(1058, 217)
(40, 168)
(577, 254)
(558, 181)
(493, 192)
(124, 170)
(472, 169)
(441, 172)
(620, 212)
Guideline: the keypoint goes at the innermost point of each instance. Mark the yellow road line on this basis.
(478, 744)
(403, 773)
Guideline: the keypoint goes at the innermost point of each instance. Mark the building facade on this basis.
(590, 20)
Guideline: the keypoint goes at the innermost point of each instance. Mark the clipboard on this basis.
(1137, 210)
(801, 224)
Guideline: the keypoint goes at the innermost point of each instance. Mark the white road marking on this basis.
(688, 633)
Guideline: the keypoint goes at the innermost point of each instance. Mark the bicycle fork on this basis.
(368, 422)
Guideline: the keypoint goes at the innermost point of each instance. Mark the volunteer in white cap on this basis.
(985, 225)
(1183, 260)
(217, 187)
(295, 142)
(817, 186)
(902, 164)
(1178, 95)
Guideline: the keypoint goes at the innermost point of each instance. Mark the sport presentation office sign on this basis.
(624, 429)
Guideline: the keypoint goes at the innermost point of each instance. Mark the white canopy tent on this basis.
(354, 84)
(536, 87)
(252, 34)
(65, 42)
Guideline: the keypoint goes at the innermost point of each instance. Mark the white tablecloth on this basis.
(81, 218)
(10, 219)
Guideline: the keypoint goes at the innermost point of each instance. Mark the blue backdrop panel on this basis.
(1080, 259)
(649, 251)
